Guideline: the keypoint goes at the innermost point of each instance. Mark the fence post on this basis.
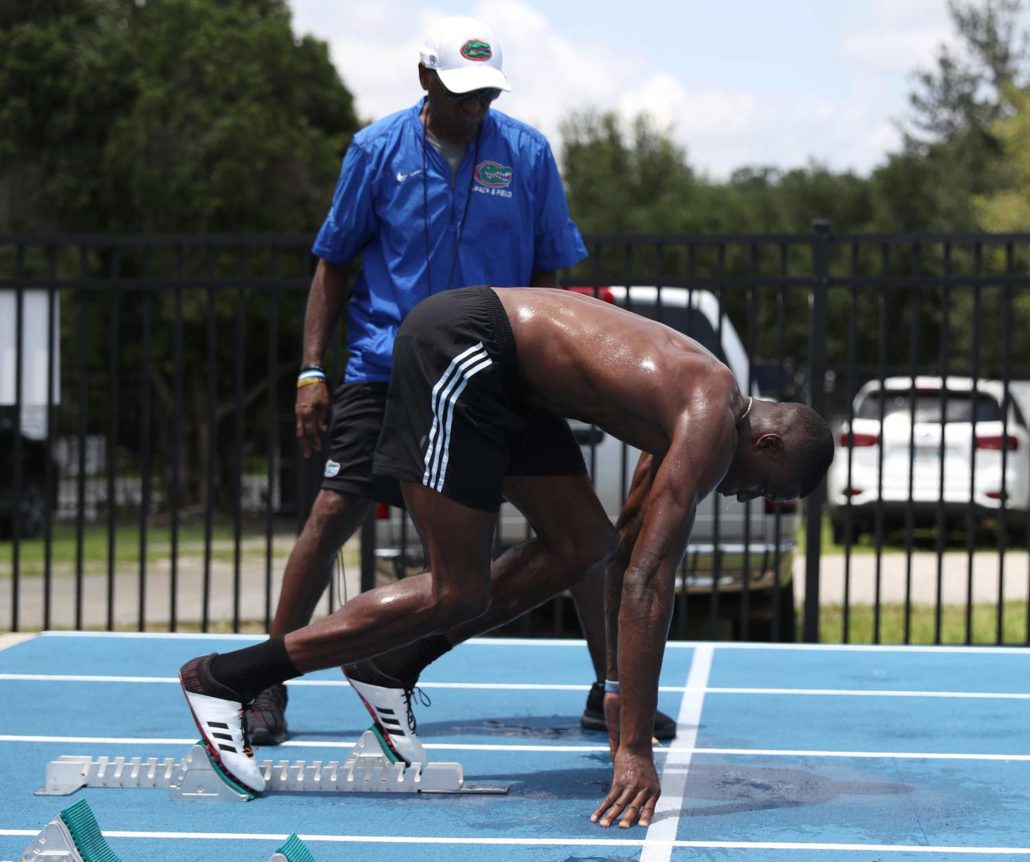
(817, 399)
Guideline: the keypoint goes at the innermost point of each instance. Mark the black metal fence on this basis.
(149, 477)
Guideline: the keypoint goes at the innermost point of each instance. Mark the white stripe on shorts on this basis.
(446, 392)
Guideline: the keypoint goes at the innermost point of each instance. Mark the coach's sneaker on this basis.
(218, 712)
(266, 716)
(388, 701)
(593, 716)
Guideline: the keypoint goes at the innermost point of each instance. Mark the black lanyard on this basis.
(425, 208)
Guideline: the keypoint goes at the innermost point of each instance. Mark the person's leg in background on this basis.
(547, 449)
(339, 509)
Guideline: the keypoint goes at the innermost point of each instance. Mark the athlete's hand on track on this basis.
(634, 792)
(312, 411)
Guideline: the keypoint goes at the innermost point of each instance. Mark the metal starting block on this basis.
(195, 776)
(74, 836)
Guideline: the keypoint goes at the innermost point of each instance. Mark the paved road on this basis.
(253, 600)
(954, 574)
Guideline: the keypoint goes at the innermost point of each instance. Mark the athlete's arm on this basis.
(326, 299)
(644, 616)
(628, 527)
(699, 452)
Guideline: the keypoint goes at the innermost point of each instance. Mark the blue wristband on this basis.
(611, 686)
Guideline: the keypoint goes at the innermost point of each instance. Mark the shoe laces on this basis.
(245, 730)
(423, 699)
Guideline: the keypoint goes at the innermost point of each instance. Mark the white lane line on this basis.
(295, 743)
(662, 831)
(986, 650)
(587, 749)
(535, 686)
(553, 842)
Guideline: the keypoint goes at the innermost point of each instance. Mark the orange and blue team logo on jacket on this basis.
(494, 175)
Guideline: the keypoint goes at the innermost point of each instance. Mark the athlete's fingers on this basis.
(632, 812)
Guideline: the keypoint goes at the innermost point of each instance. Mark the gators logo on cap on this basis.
(476, 49)
(494, 175)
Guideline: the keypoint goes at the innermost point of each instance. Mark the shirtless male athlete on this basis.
(468, 365)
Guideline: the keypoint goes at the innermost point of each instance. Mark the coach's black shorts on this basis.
(453, 418)
(357, 419)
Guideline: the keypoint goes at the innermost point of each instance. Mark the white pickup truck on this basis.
(739, 552)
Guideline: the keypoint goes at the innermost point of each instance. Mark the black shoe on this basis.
(266, 716)
(593, 716)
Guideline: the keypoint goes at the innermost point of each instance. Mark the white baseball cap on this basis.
(465, 55)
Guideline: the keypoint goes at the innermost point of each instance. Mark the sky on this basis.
(735, 83)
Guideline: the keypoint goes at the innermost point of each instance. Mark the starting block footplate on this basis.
(195, 776)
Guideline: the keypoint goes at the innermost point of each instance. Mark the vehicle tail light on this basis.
(997, 442)
(382, 511)
(772, 507)
(997, 495)
(853, 492)
(602, 293)
(848, 439)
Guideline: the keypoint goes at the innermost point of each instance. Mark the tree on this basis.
(1007, 210)
(169, 116)
(178, 115)
(956, 105)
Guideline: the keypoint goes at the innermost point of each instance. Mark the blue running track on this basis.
(784, 753)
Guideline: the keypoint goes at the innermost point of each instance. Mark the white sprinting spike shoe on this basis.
(390, 708)
(221, 724)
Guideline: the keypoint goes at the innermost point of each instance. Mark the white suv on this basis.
(930, 443)
(730, 543)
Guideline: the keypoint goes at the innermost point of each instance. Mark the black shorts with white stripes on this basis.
(453, 421)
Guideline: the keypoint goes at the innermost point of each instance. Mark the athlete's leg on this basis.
(458, 540)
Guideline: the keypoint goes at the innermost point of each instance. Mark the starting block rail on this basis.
(195, 776)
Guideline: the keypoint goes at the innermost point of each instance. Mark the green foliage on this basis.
(956, 108)
(168, 116)
(1007, 209)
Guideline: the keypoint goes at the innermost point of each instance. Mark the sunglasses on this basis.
(485, 95)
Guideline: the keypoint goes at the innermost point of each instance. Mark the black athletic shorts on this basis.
(454, 421)
(357, 419)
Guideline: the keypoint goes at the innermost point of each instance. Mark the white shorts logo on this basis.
(331, 469)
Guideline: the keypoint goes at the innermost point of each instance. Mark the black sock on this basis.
(407, 662)
(251, 670)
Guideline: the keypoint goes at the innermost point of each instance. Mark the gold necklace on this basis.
(747, 410)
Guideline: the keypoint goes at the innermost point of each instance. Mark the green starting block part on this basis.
(72, 836)
(293, 850)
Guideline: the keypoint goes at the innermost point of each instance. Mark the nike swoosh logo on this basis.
(401, 177)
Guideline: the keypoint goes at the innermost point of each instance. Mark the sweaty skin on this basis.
(665, 394)
(648, 385)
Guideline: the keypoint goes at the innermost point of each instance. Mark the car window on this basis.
(958, 406)
(689, 321)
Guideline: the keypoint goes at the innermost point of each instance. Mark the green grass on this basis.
(64, 548)
(923, 627)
